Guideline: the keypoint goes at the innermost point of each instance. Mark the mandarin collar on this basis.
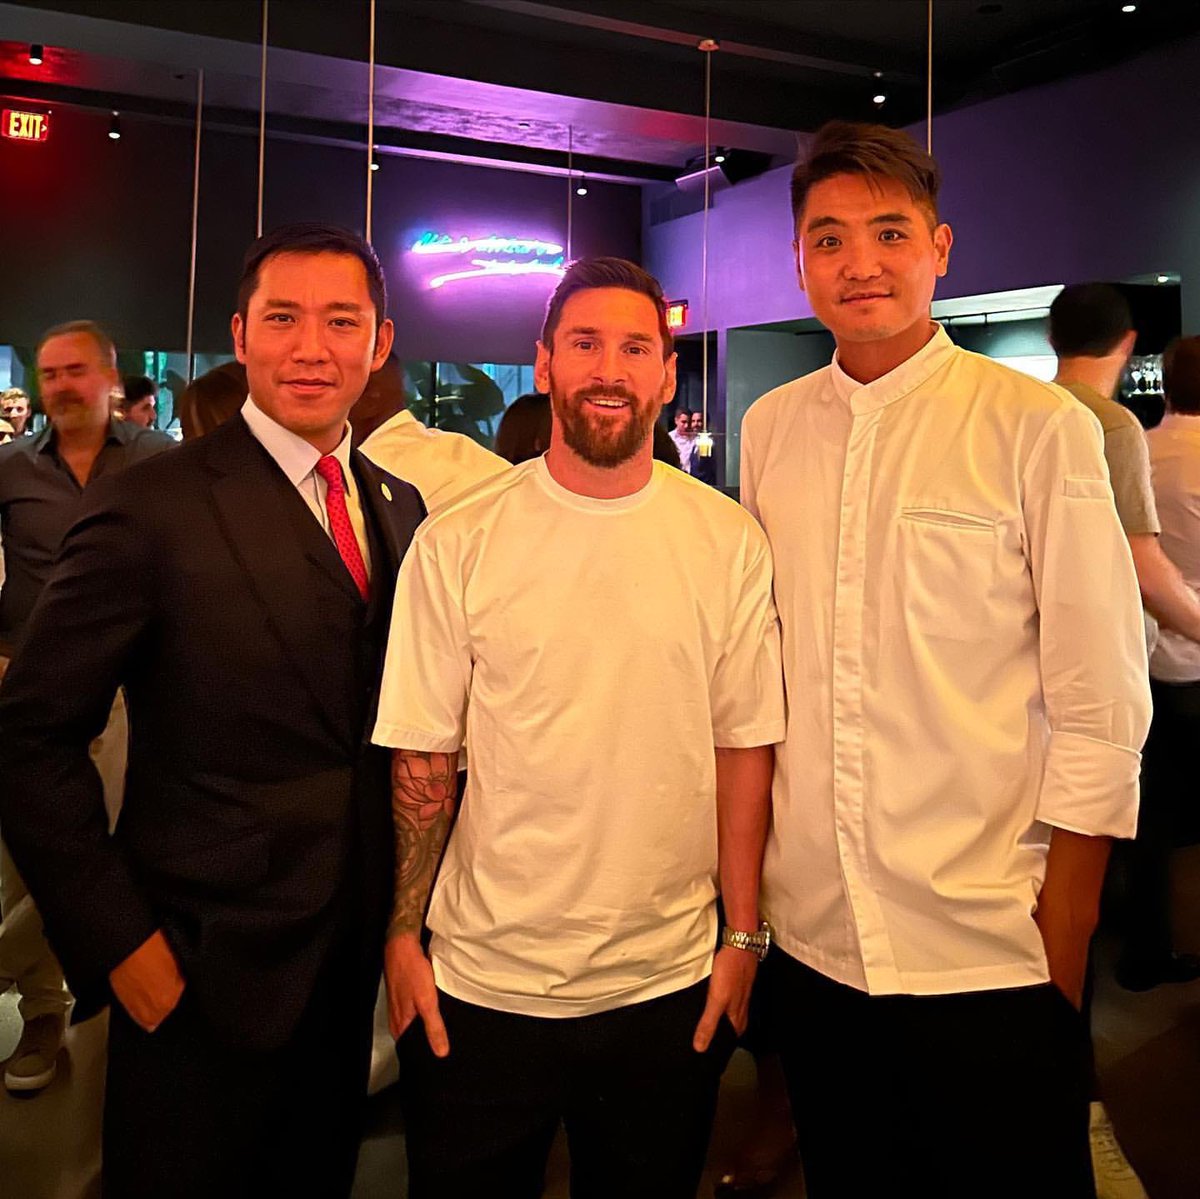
(863, 398)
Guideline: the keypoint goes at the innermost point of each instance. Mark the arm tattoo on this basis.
(424, 793)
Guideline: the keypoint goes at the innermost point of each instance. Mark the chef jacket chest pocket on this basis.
(946, 573)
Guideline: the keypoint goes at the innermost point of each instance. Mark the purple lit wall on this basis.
(1093, 177)
(751, 273)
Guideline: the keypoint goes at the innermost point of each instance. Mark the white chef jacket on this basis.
(439, 464)
(964, 660)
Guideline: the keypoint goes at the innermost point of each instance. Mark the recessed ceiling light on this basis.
(719, 156)
(1162, 278)
(878, 99)
(524, 124)
(581, 190)
(1129, 8)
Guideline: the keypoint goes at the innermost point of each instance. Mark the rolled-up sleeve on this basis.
(1093, 652)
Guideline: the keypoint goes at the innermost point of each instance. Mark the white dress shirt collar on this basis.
(896, 384)
(294, 456)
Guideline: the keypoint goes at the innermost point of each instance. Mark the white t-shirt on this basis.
(592, 652)
(440, 465)
(685, 443)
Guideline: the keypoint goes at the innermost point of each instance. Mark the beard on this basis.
(71, 413)
(600, 440)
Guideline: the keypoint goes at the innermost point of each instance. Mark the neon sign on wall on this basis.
(491, 257)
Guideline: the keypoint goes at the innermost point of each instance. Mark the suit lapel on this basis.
(375, 498)
(259, 513)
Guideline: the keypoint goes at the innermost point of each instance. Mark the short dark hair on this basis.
(855, 148)
(312, 237)
(1088, 320)
(104, 343)
(524, 430)
(211, 399)
(138, 387)
(1181, 375)
(587, 274)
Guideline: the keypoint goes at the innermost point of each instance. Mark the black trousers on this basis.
(1168, 801)
(981, 1094)
(186, 1116)
(636, 1099)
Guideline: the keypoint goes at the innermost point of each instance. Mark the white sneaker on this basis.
(1115, 1177)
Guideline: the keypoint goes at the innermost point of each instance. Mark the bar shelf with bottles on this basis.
(1141, 389)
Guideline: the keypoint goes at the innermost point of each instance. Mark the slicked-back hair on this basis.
(587, 274)
(874, 151)
(1181, 375)
(312, 237)
(104, 343)
(1088, 320)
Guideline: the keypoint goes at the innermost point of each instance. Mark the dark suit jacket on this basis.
(256, 826)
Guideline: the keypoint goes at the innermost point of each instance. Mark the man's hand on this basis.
(148, 982)
(728, 994)
(412, 991)
(1066, 959)
(1068, 905)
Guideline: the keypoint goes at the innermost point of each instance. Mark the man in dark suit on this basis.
(240, 590)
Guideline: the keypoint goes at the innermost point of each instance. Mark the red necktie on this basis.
(330, 469)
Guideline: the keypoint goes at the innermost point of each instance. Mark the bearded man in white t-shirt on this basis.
(598, 629)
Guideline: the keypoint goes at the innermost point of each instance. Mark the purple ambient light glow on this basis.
(492, 256)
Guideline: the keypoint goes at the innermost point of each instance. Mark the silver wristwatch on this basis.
(757, 943)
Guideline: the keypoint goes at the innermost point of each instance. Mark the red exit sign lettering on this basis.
(677, 314)
(25, 126)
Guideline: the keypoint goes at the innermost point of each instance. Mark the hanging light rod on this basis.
(114, 127)
(704, 442)
(372, 148)
(37, 53)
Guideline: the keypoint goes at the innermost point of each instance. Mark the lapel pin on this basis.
(387, 492)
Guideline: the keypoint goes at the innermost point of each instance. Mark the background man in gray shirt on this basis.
(42, 480)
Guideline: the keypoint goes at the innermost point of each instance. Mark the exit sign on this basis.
(677, 314)
(25, 126)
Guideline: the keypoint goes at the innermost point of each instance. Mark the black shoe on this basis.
(1145, 976)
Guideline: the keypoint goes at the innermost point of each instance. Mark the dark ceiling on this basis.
(501, 80)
